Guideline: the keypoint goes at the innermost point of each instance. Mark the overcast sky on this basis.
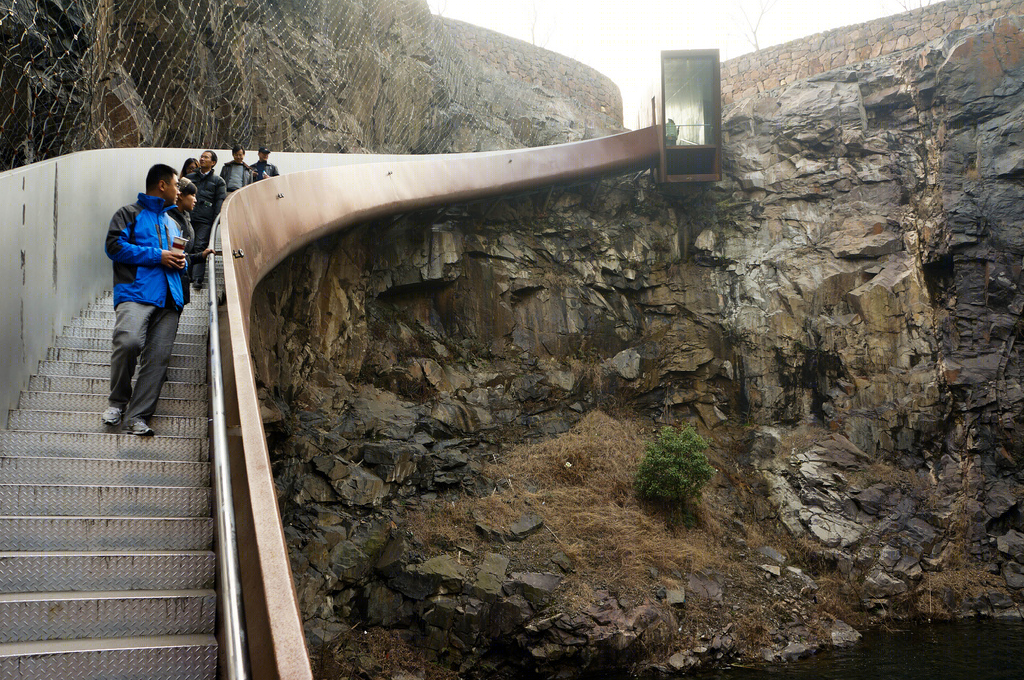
(622, 38)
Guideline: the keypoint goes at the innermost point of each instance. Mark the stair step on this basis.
(106, 533)
(108, 325)
(104, 345)
(76, 500)
(102, 445)
(104, 614)
(72, 421)
(101, 386)
(191, 375)
(86, 356)
(107, 301)
(183, 336)
(191, 315)
(30, 572)
(165, 657)
(97, 403)
(99, 471)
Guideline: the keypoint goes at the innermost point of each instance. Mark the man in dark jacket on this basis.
(236, 173)
(263, 168)
(147, 300)
(210, 193)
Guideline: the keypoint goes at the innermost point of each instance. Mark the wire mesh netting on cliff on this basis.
(294, 75)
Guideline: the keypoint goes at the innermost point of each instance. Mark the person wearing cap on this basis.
(263, 168)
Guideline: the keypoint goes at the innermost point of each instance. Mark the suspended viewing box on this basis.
(689, 114)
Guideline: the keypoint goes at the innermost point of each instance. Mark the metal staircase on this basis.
(106, 562)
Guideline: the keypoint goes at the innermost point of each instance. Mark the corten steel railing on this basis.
(268, 221)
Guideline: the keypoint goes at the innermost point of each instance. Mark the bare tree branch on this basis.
(752, 20)
(910, 5)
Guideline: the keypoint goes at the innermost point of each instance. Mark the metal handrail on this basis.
(229, 588)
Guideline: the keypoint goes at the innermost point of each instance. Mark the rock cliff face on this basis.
(879, 270)
(850, 297)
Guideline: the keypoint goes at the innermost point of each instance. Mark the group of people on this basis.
(159, 246)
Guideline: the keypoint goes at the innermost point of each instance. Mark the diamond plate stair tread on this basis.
(70, 421)
(71, 402)
(79, 385)
(74, 500)
(183, 337)
(23, 572)
(108, 325)
(68, 615)
(93, 471)
(103, 445)
(103, 345)
(87, 356)
(169, 657)
(193, 314)
(97, 403)
(191, 375)
(106, 533)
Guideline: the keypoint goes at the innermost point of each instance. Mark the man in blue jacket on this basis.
(147, 300)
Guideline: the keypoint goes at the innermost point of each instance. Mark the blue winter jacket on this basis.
(137, 234)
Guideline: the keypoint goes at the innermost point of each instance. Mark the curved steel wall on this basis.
(266, 222)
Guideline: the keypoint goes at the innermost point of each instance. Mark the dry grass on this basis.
(374, 653)
(581, 484)
(886, 473)
(801, 438)
(929, 599)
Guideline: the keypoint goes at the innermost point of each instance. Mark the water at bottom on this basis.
(957, 651)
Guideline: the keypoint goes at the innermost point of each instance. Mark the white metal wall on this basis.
(53, 221)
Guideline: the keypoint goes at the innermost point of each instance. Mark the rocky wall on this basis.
(295, 75)
(773, 67)
(849, 299)
(538, 66)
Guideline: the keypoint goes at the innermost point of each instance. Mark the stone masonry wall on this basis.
(773, 67)
(538, 66)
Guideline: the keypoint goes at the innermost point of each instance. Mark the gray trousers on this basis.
(149, 331)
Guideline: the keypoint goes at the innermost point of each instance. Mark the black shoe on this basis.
(198, 285)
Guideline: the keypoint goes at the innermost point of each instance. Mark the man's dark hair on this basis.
(188, 189)
(159, 173)
(236, 148)
(213, 155)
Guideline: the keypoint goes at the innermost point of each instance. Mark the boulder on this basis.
(1013, 574)
(675, 597)
(772, 554)
(360, 487)
(1011, 544)
(526, 526)
(705, 585)
(626, 364)
(795, 651)
(879, 585)
(438, 574)
(536, 587)
(843, 634)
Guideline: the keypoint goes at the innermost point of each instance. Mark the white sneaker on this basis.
(139, 428)
(112, 416)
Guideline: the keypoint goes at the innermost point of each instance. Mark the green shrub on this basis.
(674, 468)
